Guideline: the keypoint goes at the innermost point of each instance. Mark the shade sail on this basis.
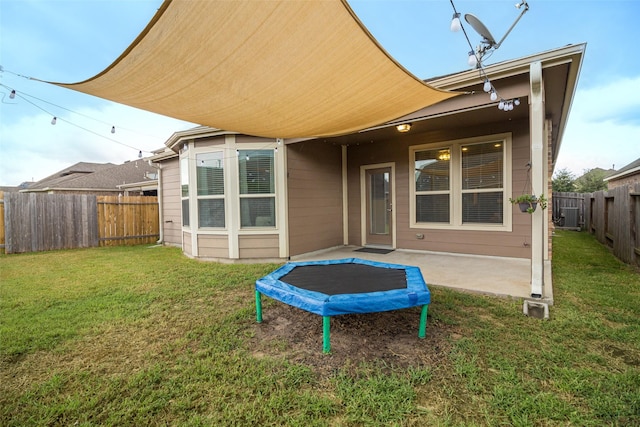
(267, 68)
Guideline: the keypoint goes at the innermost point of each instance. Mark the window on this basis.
(462, 184)
(432, 178)
(257, 188)
(184, 185)
(482, 183)
(210, 183)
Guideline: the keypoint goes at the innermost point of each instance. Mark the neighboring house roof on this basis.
(630, 169)
(13, 189)
(60, 178)
(96, 177)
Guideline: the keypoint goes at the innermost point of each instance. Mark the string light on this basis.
(55, 118)
(475, 57)
(455, 23)
(487, 85)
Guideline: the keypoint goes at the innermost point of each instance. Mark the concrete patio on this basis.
(497, 276)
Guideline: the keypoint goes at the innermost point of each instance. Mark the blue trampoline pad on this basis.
(345, 286)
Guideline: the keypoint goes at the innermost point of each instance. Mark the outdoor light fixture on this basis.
(403, 127)
(113, 129)
(444, 155)
(487, 86)
(140, 154)
(12, 94)
(54, 120)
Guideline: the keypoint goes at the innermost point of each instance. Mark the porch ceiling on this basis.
(273, 69)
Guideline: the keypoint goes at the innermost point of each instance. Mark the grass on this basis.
(145, 336)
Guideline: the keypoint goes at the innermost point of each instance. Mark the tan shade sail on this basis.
(267, 68)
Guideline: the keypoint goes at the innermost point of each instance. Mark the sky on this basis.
(73, 40)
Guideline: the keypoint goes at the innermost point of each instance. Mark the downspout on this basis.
(158, 167)
(538, 161)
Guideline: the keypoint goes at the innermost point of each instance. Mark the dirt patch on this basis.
(384, 339)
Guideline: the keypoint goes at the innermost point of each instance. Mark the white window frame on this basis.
(455, 188)
(184, 159)
(270, 229)
(222, 196)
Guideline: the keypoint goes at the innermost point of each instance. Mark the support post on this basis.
(258, 307)
(326, 340)
(422, 331)
(538, 161)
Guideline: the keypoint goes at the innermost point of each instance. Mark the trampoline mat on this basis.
(338, 279)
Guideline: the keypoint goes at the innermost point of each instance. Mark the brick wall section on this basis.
(630, 180)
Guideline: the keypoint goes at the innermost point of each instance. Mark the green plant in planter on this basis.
(529, 202)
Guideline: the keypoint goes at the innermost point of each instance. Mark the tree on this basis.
(563, 181)
(591, 181)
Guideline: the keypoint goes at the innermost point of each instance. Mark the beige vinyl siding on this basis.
(210, 142)
(213, 246)
(186, 248)
(494, 243)
(171, 207)
(259, 246)
(315, 196)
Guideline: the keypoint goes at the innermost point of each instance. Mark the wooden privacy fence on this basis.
(131, 220)
(35, 222)
(613, 216)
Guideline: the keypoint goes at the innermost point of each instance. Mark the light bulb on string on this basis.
(472, 60)
(493, 95)
(12, 95)
(501, 105)
(113, 129)
(516, 102)
(455, 23)
(487, 86)
(140, 154)
(54, 120)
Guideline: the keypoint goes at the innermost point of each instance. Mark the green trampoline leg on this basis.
(326, 326)
(422, 332)
(258, 307)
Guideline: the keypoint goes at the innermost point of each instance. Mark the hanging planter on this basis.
(529, 202)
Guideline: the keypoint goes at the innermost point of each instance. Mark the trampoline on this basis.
(345, 286)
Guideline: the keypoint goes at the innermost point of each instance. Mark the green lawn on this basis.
(145, 336)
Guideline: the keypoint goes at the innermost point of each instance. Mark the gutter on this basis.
(622, 174)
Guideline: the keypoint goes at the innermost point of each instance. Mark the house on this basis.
(627, 175)
(136, 177)
(440, 182)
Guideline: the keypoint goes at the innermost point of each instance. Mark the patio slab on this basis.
(487, 275)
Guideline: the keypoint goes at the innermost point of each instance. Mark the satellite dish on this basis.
(480, 28)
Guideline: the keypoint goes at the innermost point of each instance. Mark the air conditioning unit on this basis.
(570, 216)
